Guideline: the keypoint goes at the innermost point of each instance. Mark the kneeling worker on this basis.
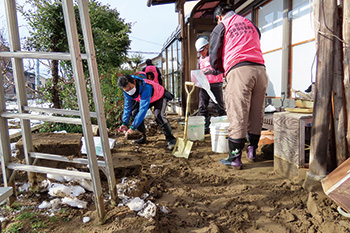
(147, 93)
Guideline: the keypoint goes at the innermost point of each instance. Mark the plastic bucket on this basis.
(219, 135)
(218, 119)
(195, 129)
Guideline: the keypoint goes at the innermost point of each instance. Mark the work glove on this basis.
(122, 128)
(213, 72)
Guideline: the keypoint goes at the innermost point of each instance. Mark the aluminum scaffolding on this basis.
(25, 111)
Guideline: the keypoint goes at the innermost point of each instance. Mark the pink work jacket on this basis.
(242, 42)
(158, 91)
(204, 64)
(153, 69)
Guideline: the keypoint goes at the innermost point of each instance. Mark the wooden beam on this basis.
(339, 111)
(179, 5)
(183, 54)
(324, 15)
(346, 63)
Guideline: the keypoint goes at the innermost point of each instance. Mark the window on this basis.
(270, 24)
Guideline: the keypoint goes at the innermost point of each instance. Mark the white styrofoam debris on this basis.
(45, 205)
(74, 202)
(13, 145)
(149, 211)
(55, 203)
(60, 190)
(86, 184)
(56, 177)
(62, 131)
(136, 204)
(86, 219)
(69, 178)
(23, 187)
(14, 131)
(44, 184)
(164, 209)
(77, 190)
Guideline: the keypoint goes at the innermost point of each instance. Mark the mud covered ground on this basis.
(195, 195)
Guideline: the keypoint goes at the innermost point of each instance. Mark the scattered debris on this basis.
(86, 219)
(74, 202)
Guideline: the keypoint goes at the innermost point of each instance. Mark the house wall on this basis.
(287, 42)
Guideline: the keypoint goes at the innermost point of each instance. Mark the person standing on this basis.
(147, 93)
(215, 79)
(152, 72)
(235, 50)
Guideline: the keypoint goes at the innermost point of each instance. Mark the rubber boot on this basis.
(253, 141)
(206, 125)
(168, 132)
(235, 153)
(142, 129)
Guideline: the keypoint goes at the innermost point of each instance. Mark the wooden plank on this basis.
(336, 185)
(28, 116)
(61, 158)
(56, 111)
(39, 55)
(46, 170)
(5, 192)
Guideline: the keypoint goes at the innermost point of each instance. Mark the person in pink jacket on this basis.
(235, 50)
(215, 79)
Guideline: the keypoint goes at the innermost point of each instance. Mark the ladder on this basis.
(24, 111)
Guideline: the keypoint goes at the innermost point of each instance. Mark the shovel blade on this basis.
(182, 148)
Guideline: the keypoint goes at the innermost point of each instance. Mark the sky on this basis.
(151, 25)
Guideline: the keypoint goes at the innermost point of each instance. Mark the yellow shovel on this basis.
(183, 146)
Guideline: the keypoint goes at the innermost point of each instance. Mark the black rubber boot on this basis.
(235, 153)
(168, 132)
(206, 125)
(253, 141)
(142, 129)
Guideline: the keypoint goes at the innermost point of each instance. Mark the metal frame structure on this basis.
(24, 111)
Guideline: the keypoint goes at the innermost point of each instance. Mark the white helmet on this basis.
(200, 43)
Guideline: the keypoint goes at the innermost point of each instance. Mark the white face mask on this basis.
(132, 91)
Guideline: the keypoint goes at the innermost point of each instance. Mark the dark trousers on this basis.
(204, 98)
(159, 111)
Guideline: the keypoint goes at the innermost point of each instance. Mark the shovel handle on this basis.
(188, 105)
(192, 84)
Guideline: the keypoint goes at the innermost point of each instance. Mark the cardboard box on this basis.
(337, 185)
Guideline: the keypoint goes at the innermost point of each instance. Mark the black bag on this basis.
(168, 95)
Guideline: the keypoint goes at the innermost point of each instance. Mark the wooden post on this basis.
(324, 16)
(181, 8)
(338, 95)
(346, 63)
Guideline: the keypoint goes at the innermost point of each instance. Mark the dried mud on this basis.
(201, 195)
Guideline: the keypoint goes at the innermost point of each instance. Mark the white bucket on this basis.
(214, 120)
(195, 129)
(219, 135)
